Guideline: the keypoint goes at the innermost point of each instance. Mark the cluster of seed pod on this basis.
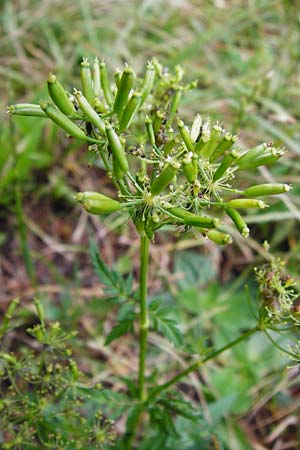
(164, 172)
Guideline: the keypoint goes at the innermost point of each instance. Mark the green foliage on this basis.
(44, 401)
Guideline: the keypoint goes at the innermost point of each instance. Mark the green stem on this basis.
(144, 321)
(201, 362)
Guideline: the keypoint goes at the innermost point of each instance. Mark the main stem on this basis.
(144, 321)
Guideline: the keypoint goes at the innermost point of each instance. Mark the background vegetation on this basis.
(246, 57)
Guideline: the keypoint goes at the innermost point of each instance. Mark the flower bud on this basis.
(117, 148)
(105, 84)
(259, 156)
(238, 221)
(219, 238)
(63, 121)
(185, 135)
(191, 219)
(246, 203)
(86, 80)
(165, 177)
(89, 112)
(124, 88)
(262, 190)
(59, 96)
(130, 110)
(26, 109)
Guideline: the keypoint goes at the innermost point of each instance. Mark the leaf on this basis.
(164, 324)
(118, 330)
(116, 286)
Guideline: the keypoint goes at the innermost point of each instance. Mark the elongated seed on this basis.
(97, 203)
(117, 171)
(192, 219)
(219, 238)
(148, 81)
(63, 121)
(174, 106)
(96, 78)
(117, 148)
(26, 109)
(164, 178)
(150, 130)
(101, 206)
(215, 136)
(238, 221)
(262, 190)
(204, 139)
(89, 111)
(105, 84)
(86, 81)
(124, 88)
(130, 110)
(189, 168)
(225, 144)
(59, 95)
(246, 203)
(185, 135)
(225, 164)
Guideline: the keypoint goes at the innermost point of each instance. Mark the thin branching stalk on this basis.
(196, 365)
(144, 321)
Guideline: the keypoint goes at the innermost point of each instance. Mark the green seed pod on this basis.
(89, 112)
(246, 203)
(215, 136)
(117, 148)
(192, 219)
(165, 177)
(74, 370)
(196, 127)
(39, 310)
(9, 358)
(169, 146)
(98, 207)
(262, 190)
(86, 81)
(238, 221)
(96, 78)
(204, 139)
(130, 110)
(219, 238)
(189, 168)
(97, 203)
(124, 88)
(12, 307)
(63, 121)
(159, 115)
(225, 164)
(174, 106)
(59, 96)
(261, 155)
(105, 84)
(99, 106)
(117, 171)
(148, 81)
(26, 109)
(226, 143)
(185, 135)
(150, 130)
(117, 76)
